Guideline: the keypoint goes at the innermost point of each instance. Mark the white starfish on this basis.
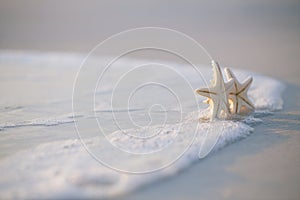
(217, 94)
(238, 94)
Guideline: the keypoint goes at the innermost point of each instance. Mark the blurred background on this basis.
(260, 35)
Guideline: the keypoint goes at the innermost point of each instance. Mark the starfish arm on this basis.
(225, 106)
(214, 110)
(246, 102)
(242, 94)
(206, 101)
(239, 105)
(204, 92)
(218, 77)
(229, 74)
(246, 84)
(233, 104)
(229, 85)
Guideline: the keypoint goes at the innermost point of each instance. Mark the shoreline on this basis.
(264, 165)
(241, 166)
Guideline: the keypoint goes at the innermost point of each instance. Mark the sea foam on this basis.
(64, 168)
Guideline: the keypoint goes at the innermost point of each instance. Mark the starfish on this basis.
(238, 94)
(217, 94)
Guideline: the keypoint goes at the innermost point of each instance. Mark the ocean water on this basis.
(66, 134)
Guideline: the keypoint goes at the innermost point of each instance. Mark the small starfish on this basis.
(217, 94)
(238, 94)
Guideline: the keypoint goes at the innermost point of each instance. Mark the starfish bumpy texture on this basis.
(217, 94)
(238, 93)
(226, 98)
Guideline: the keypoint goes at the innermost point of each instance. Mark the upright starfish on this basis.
(238, 94)
(217, 94)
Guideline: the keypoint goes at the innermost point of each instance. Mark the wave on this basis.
(64, 169)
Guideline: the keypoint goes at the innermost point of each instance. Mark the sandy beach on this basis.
(258, 36)
(262, 166)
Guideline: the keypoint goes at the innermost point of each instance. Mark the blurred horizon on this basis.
(262, 36)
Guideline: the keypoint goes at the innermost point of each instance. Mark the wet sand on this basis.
(265, 165)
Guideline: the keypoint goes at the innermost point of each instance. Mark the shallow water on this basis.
(139, 129)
